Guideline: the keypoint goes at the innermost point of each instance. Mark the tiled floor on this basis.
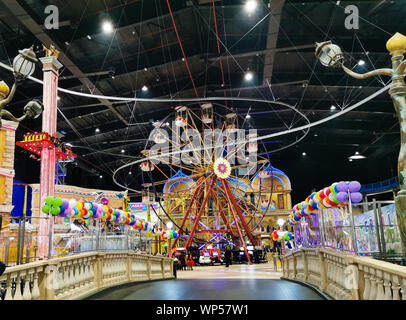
(239, 282)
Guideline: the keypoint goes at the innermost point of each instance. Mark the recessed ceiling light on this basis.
(250, 6)
(356, 152)
(316, 135)
(350, 160)
(304, 154)
(89, 37)
(361, 62)
(248, 76)
(122, 151)
(333, 108)
(107, 27)
(101, 177)
(248, 116)
(97, 130)
(144, 88)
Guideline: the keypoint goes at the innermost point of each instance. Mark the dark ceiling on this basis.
(277, 48)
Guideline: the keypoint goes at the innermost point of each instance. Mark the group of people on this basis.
(184, 261)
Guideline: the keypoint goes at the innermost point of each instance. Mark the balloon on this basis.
(72, 203)
(55, 211)
(88, 206)
(45, 209)
(68, 212)
(49, 200)
(65, 203)
(354, 186)
(58, 202)
(342, 187)
(342, 197)
(80, 205)
(356, 197)
(62, 209)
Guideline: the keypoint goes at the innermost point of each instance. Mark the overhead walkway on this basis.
(238, 282)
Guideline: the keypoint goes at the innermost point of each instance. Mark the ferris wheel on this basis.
(207, 176)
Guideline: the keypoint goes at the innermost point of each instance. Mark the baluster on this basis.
(387, 285)
(66, 283)
(35, 294)
(380, 294)
(27, 291)
(372, 295)
(403, 289)
(367, 289)
(17, 294)
(395, 287)
(9, 294)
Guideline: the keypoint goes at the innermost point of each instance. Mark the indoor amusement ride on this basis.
(210, 185)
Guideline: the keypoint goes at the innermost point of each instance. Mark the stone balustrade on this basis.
(77, 276)
(346, 277)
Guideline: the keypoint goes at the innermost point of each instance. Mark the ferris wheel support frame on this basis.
(237, 209)
(189, 241)
(197, 192)
(236, 222)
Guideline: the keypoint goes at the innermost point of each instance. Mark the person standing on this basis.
(190, 262)
(227, 256)
(182, 258)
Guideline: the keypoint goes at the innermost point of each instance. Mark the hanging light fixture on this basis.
(24, 63)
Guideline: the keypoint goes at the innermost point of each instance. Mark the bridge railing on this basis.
(77, 276)
(346, 277)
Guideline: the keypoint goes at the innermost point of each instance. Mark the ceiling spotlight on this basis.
(248, 76)
(183, 59)
(316, 135)
(130, 173)
(122, 151)
(350, 160)
(101, 177)
(332, 108)
(144, 88)
(304, 154)
(89, 37)
(357, 156)
(59, 98)
(67, 43)
(145, 69)
(361, 62)
(248, 116)
(250, 6)
(107, 27)
(97, 130)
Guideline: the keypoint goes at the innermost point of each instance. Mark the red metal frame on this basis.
(241, 216)
(198, 192)
(189, 241)
(227, 192)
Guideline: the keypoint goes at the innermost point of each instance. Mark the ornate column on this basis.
(51, 67)
(7, 146)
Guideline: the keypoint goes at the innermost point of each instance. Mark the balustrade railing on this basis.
(346, 277)
(77, 276)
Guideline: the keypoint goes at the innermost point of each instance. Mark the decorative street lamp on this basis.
(24, 66)
(330, 55)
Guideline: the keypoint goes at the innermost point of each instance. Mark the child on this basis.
(190, 262)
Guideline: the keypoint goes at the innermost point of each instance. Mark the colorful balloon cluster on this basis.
(335, 196)
(282, 235)
(168, 234)
(87, 210)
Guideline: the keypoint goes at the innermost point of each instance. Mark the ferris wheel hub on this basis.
(222, 168)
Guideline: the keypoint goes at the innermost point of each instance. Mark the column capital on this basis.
(50, 64)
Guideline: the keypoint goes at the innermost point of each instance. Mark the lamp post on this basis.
(24, 67)
(330, 55)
